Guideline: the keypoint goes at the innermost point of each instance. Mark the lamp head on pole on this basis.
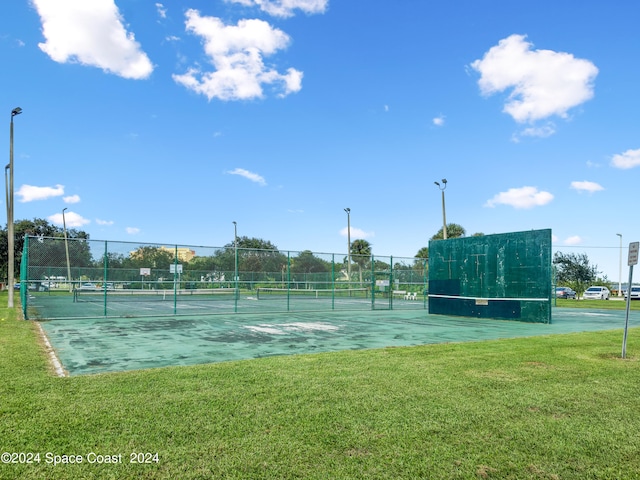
(348, 210)
(444, 184)
(16, 111)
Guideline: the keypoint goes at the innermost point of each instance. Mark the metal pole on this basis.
(235, 269)
(66, 247)
(348, 210)
(633, 260)
(444, 215)
(444, 218)
(620, 268)
(8, 205)
(10, 226)
(626, 320)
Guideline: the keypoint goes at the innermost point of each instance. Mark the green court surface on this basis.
(89, 346)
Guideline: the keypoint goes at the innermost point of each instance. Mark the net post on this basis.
(391, 282)
(175, 283)
(333, 281)
(24, 268)
(372, 286)
(104, 276)
(235, 278)
(288, 278)
(425, 281)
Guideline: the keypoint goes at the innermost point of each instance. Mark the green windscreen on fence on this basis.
(81, 278)
(504, 276)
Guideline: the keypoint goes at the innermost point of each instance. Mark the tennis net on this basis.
(269, 293)
(153, 295)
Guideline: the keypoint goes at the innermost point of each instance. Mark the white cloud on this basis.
(285, 8)
(236, 52)
(575, 240)
(132, 230)
(29, 193)
(91, 33)
(438, 121)
(540, 132)
(106, 223)
(254, 177)
(356, 233)
(626, 160)
(524, 197)
(554, 238)
(71, 199)
(542, 82)
(587, 186)
(162, 11)
(71, 219)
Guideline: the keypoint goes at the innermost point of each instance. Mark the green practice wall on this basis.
(504, 276)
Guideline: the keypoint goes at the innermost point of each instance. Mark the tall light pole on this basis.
(444, 215)
(620, 269)
(10, 230)
(348, 210)
(66, 249)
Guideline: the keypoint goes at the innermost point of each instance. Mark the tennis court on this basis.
(116, 303)
(89, 346)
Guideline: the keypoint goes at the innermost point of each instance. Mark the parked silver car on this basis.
(565, 292)
(596, 293)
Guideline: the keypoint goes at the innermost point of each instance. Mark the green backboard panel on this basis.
(503, 276)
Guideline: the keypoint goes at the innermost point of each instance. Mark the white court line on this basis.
(52, 354)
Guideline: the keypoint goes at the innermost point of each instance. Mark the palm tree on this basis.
(361, 253)
(453, 231)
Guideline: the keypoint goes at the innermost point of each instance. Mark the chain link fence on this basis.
(79, 278)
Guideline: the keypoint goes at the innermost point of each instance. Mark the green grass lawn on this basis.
(554, 407)
(613, 304)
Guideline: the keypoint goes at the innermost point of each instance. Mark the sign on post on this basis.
(633, 253)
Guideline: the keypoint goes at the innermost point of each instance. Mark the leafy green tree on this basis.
(307, 262)
(254, 255)
(53, 251)
(574, 270)
(147, 256)
(423, 253)
(201, 263)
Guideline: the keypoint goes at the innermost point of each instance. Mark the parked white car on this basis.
(596, 293)
(635, 292)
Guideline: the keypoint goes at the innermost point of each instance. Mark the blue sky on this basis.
(165, 122)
